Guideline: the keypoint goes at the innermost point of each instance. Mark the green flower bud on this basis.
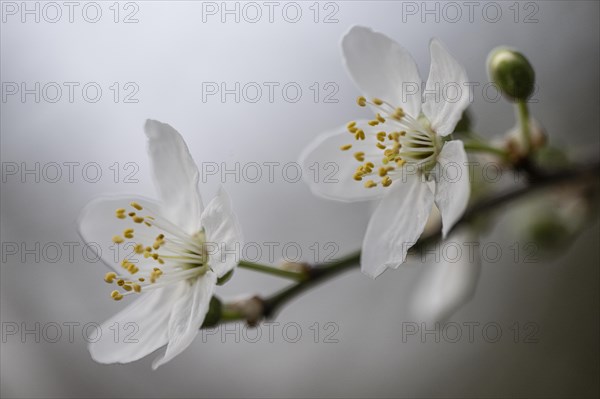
(512, 72)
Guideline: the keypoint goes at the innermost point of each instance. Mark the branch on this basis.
(255, 309)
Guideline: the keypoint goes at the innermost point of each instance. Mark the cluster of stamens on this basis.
(398, 147)
(187, 253)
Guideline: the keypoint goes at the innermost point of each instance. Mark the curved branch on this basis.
(315, 274)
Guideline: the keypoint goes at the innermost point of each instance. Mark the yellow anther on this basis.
(160, 236)
(386, 181)
(137, 288)
(136, 206)
(360, 134)
(351, 124)
(132, 268)
(357, 176)
(385, 161)
(147, 255)
(141, 279)
(400, 162)
(127, 287)
(380, 146)
(139, 249)
(370, 184)
(156, 245)
(128, 233)
(353, 130)
(155, 256)
(346, 147)
(162, 262)
(361, 101)
(398, 113)
(132, 214)
(120, 213)
(110, 277)
(138, 219)
(116, 295)
(370, 165)
(359, 156)
(147, 224)
(382, 171)
(118, 239)
(148, 249)
(380, 118)
(381, 136)
(120, 282)
(377, 101)
(374, 123)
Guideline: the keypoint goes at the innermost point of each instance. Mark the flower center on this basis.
(402, 141)
(178, 255)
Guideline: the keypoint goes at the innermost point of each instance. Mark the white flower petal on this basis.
(187, 316)
(136, 331)
(450, 283)
(223, 234)
(449, 95)
(381, 68)
(97, 224)
(175, 175)
(453, 189)
(329, 171)
(396, 225)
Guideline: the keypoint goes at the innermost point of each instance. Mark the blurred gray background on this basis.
(166, 56)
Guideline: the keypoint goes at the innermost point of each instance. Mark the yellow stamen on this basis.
(128, 233)
(136, 206)
(346, 147)
(377, 101)
(118, 239)
(380, 146)
(361, 101)
(138, 219)
(359, 156)
(370, 184)
(386, 181)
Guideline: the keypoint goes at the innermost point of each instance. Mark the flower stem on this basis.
(479, 146)
(523, 116)
(275, 271)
